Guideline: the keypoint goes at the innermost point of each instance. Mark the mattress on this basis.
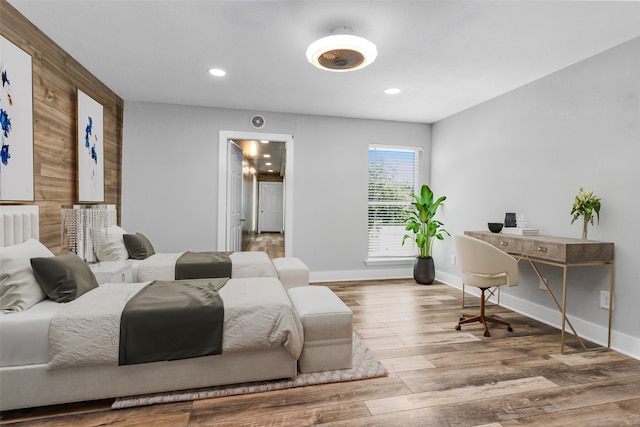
(24, 335)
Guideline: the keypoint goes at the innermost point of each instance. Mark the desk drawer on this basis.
(545, 250)
(507, 244)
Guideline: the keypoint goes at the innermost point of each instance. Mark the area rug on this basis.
(365, 365)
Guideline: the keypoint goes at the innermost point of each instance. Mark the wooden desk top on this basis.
(559, 249)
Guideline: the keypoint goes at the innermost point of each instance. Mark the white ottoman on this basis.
(328, 329)
(291, 271)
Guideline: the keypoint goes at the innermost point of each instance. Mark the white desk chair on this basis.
(484, 266)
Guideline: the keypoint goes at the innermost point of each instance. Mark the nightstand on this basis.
(112, 272)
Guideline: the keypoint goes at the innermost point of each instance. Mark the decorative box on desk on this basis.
(112, 272)
(559, 252)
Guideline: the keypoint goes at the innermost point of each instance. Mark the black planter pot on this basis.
(424, 270)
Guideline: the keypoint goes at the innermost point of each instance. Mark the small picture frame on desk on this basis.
(510, 219)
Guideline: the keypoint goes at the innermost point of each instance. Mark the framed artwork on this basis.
(90, 149)
(16, 120)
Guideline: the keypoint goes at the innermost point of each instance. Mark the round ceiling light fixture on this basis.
(217, 72)
(341, 51)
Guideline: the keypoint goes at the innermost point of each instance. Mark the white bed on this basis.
(29, 379)
(161, 266)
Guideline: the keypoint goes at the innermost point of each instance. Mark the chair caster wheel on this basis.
(487, 334)
(461, 319)
(457, 327)
(510, 329)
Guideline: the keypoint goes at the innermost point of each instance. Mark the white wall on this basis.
(528, 151)
(170, 170)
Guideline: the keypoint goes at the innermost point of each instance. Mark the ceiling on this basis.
(446, 56)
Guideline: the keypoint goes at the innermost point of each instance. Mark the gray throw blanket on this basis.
(171, 320)
(203, 265)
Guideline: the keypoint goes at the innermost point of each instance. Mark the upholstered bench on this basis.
(328, 329)
(291, 271)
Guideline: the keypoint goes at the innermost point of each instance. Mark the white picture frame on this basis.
(90, 149)
(16, 120)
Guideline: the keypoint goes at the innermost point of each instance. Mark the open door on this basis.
(234, 198)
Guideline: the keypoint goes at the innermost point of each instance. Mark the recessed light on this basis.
(217, 72)
(268, 164)
(264, 141)
(266, 156)
(392, 91)
(270, 170)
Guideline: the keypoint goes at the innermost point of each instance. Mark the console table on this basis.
(559, 252)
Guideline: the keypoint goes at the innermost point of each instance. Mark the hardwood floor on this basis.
(438, 376)
(271, 243)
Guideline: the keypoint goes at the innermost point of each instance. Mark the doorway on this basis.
(270, 207)
(225, 236)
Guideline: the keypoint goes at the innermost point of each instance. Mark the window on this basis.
(394, 175)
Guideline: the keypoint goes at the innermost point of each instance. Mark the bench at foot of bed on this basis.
(328, 329)
(292, 272)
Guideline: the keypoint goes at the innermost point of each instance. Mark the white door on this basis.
(270, 198)
(234, 198)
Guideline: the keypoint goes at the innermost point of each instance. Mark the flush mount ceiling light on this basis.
(217, 72)
(341, 51)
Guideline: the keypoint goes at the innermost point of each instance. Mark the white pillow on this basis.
(112, 247)
(19, 288)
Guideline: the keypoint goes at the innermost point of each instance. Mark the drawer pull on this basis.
(123, 277)
(542, 249)
(503, 243)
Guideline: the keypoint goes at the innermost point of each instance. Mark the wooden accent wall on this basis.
(56, 78)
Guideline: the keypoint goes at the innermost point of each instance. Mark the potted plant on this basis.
(585, 205)
(425, 229)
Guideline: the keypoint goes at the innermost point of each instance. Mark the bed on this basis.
(137, 250)
(33, 374)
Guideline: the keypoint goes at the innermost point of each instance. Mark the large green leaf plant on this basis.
(420, 220)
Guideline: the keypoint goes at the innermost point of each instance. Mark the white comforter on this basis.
(161, 266)
(257, 314)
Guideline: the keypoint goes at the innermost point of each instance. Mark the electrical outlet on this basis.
(452, 259)
(604, 300)
(541, 284)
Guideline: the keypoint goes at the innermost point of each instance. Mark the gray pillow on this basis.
(138, 246)
(64, 277)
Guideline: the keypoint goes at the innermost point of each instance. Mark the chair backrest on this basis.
(482, 260)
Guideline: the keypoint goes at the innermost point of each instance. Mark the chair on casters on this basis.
(484, 266)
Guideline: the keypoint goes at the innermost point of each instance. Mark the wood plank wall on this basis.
(56, 78)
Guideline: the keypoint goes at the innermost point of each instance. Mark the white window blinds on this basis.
(393, 180)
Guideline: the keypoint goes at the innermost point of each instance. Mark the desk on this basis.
(558, 252)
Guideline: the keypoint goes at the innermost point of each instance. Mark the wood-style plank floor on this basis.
(438, 376)
(271, 243)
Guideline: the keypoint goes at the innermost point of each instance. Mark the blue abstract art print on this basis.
(90, 149)
(16, 121)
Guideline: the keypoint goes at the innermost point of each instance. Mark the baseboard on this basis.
(622, 343)
(370, 274)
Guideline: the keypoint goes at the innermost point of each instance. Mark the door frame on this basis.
(223, 137)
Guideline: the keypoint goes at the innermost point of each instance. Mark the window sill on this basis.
(390, 261)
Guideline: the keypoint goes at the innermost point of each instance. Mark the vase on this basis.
(424, 270)
(585, 228)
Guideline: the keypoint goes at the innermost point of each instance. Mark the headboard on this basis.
(18, 223)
